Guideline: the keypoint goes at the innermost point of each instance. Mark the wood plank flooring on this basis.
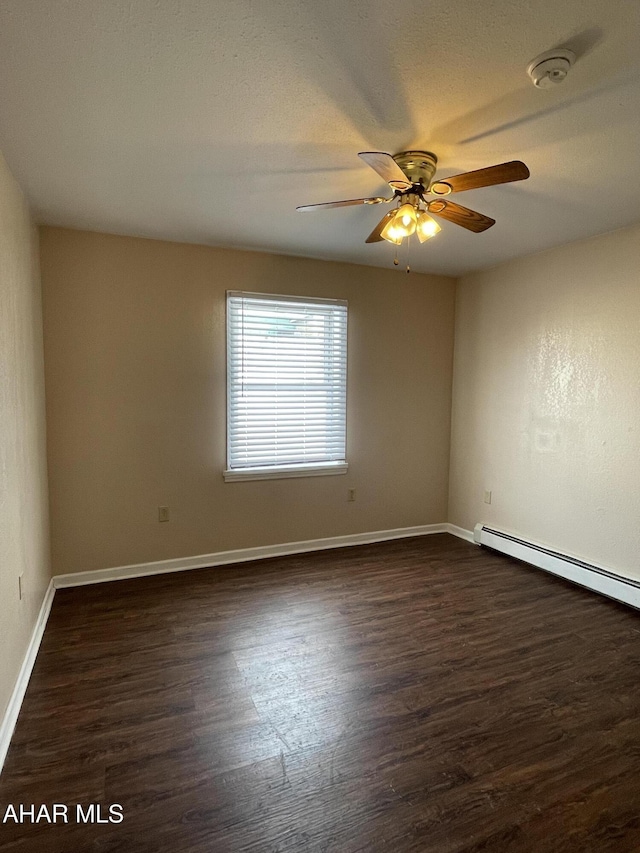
(412, 696)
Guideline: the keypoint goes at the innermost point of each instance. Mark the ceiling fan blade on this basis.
(327, 205)
(375, 237)
(504, 173)
(387, 168)
(469, 219)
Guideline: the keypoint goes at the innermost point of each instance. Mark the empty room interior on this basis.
(319, 444)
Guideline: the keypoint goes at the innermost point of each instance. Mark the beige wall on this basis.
(135, 369)
(546, 400)
(24, 536)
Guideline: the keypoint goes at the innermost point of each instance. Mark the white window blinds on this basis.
(286, 382)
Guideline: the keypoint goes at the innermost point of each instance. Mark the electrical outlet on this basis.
(351, 494)
(163, 513)
(20, 586)
(487, 497)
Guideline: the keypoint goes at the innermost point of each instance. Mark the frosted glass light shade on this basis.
(402, 225)
(427, 227)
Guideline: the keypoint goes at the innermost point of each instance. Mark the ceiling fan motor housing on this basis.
(418, 166)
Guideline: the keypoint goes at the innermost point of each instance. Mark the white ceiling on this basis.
(209, 122)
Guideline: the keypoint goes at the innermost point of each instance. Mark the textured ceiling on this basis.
(209, 122)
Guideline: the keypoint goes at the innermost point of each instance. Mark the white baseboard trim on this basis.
(588, 575)
(460, 532)
(240, 555)
(10, 718)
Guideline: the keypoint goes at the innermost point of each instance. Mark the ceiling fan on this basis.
(410, 175)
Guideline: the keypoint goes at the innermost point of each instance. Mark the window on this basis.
(286, 386)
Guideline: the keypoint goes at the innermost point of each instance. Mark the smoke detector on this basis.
(551, 67)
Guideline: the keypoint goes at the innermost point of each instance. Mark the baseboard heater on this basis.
(572, 569)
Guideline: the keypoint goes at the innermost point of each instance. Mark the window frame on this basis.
(298, 469)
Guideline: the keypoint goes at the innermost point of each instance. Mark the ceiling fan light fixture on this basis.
(407, 218)
(427, 227)
(402, 225)
(391, 233)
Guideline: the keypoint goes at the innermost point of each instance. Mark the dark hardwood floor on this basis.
(418, 695)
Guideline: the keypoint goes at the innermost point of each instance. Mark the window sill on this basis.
(321, 470)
